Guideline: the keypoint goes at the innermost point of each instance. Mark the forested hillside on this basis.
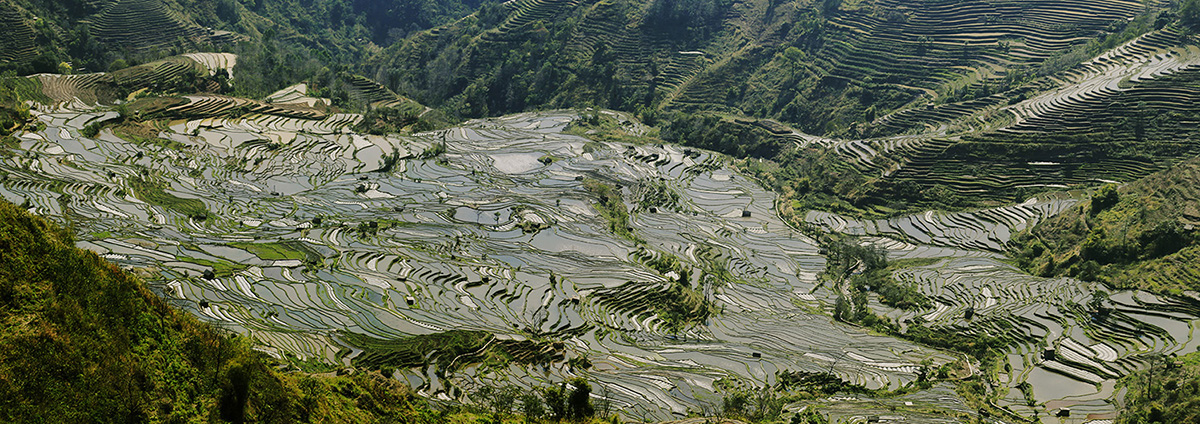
(283, 42)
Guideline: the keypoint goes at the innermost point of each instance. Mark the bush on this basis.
(1105, 198)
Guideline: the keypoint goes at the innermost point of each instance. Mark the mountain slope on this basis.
(819, 65)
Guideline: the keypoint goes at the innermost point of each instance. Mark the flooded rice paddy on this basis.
(306, 243)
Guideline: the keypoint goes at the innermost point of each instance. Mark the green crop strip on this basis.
(155, 194)
(612, 208)
(273, 251)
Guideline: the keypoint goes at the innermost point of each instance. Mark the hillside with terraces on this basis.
(849, 64)
(989, 101)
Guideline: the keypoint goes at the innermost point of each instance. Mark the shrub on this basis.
(1105, 198)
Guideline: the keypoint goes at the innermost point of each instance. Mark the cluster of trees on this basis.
(567, 401)
(655, 194)
(715, 132)
(612, 208)
(14, 114)
(345, 21)
(762, 405)
(393, 120)
(1189, 14)
(695, 19)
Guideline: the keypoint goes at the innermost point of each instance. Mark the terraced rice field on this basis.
(1069, 118)
(926, 47)
(17, 43)
(445, 252)
(984, 230)
(310, 248)
(143, 24)
(1068, 353)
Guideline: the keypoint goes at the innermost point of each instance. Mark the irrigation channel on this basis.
(499, 234)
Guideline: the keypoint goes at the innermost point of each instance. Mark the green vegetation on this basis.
(866, 270)
(433, 152)
(452, 350)
(143, 134)
(277, 251)
(155, 193)
(612, 208)
(391, 120)
(812, 390)
(218, 269)
(602, 127)
(1167, 392)
(655, 195)
(683, 307)
(1141, 235)
(14, 113)
(682, 304)
(724, 134)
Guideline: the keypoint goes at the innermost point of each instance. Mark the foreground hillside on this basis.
(1167, 392)
(82, 341)
(1141, 234)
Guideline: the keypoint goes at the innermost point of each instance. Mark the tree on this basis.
(1105, 198)
(841, 309)
(830, 7)
(532, 407)
(1189, 14)
(735, 404)
(580, 401)
(556, 400)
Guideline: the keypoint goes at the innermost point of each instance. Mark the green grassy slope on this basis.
(82, 341)
(1141, 235)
